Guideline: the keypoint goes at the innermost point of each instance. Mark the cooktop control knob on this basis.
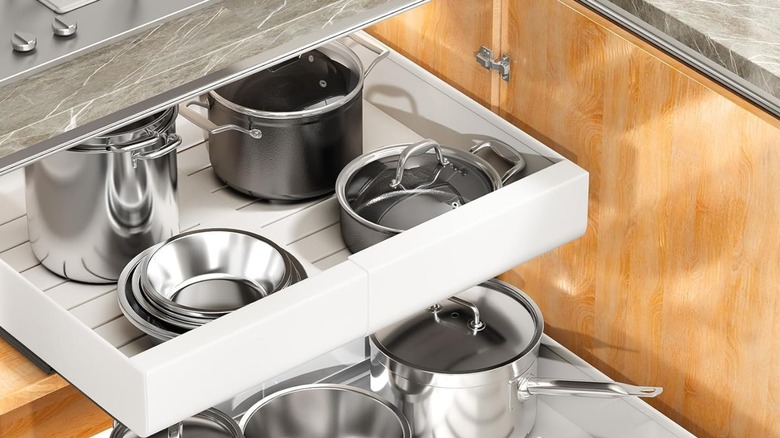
(24, 42)
(62, 27)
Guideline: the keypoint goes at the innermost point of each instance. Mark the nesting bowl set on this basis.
(195, 277)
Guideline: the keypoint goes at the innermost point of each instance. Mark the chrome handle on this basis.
(528, 386)
(381, 51)
(506, 153)
(176, 431)
(172, 141)
(207, 125)
(475, 324)
(416, 149)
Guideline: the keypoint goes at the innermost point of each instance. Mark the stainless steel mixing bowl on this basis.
(205, 274)
(324, 411)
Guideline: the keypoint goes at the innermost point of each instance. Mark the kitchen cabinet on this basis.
(149, 388)
(674, 281)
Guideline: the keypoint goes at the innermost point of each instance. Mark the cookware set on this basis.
(107, 211)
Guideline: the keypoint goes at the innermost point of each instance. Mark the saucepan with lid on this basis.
(397, 187)
(467, 367)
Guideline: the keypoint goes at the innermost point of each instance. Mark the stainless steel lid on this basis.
(398, 187)
(484, 328)
(207, 424)
(144, 129)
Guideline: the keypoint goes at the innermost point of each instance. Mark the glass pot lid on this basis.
(481, 329)
(398, 187)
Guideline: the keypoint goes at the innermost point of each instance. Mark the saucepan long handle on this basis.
(529, 386)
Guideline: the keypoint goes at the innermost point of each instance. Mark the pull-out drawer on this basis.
(80, 332)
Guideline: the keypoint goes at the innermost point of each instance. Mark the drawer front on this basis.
(79, 331)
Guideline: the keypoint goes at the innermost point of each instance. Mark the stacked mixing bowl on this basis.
(195, 277)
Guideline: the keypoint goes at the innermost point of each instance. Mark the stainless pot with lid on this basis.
(92, 208)
(467, 367)
(397, 187)
(210, 423)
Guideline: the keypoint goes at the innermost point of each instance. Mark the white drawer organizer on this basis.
(80, 332)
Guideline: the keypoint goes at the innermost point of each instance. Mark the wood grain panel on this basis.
(676, 281)
(35, 404)
(443, 36)
(65, 413)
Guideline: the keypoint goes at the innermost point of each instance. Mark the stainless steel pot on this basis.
(92, 208)
(397, 187)
(284, 133)
(324, 411)
(210, 423)
(467, 368)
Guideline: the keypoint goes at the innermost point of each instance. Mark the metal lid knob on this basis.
(24, 42)
(62, 27)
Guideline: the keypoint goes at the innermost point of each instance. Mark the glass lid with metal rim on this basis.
(483, 328)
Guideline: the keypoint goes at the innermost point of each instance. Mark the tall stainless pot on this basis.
(466, 368)
(263, 143)
(94, 207)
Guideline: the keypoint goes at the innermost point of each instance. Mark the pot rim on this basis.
(405, 426)
(395, 149)
(332, 47)
(504, 371)
(212, 414)
(119, 138)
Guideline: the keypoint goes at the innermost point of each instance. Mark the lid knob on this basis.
(416, 149)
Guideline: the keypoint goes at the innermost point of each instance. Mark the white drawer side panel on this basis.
(100, 371)
(480, 240)
(194, 371)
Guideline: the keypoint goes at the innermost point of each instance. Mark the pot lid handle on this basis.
(475, 324)
(416, 149)
(528, 386)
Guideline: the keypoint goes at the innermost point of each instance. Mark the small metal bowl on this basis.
(210, 423)
(161, 326)
(157, 330)
(205, 274)
(324, 411)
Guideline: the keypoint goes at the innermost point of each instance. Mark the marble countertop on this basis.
(741, 35)
(66, 104)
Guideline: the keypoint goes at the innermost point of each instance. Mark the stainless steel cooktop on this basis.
(40, 33)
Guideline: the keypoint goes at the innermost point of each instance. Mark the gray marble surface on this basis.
(741, 35)
(88, 88)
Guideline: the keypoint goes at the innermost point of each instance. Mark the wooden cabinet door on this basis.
(443, 36)
(675, 282)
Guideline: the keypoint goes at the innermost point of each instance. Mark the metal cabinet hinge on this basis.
(485, 59)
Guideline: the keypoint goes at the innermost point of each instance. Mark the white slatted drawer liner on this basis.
(149, 388)
(310, 229)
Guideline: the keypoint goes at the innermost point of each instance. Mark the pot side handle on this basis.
(506, 153)
(207, 125)
(379, 50)
(530, 386)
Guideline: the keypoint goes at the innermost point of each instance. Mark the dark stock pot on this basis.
(92, 208)
(284, 133)
(466, 368)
